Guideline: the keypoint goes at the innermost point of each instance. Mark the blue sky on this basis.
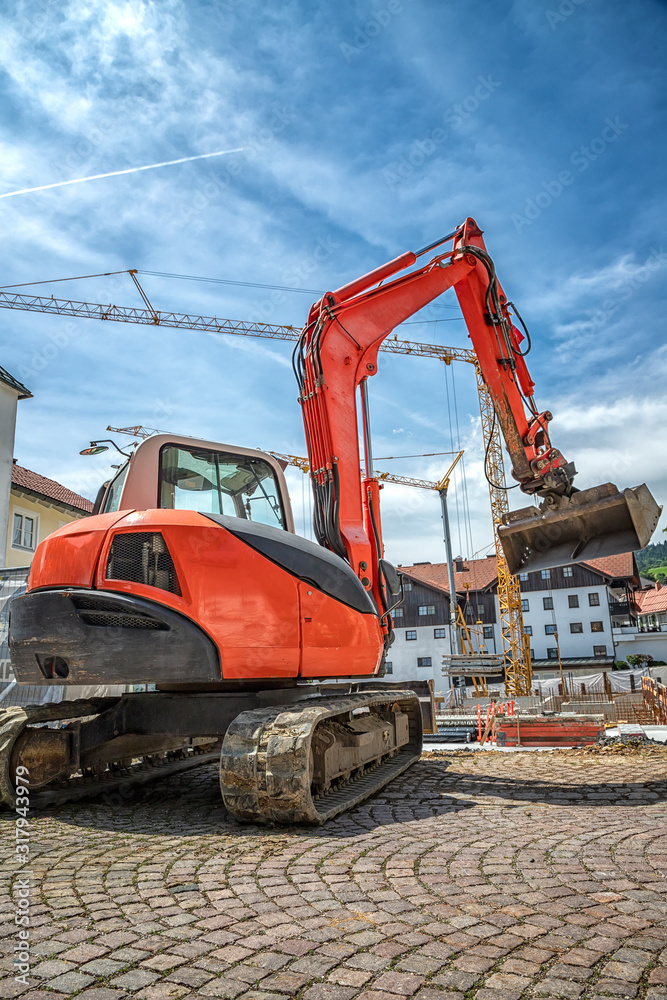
(368, 128)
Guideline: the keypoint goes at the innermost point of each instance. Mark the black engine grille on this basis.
(142, 557)
(109, 614)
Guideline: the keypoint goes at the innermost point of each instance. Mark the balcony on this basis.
(644, 630)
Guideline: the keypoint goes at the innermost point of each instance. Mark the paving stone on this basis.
(159, 963)
(162, 991)
(134, 979)
(328, 991)
(84, 952)
(617, 987)
(51, 968)
(406, 896)
(561, 988)
(101, 993)
(428, 993)
(101, 967)
(366, 960)
(507, 981)
(70, 982)
(223, 987)
(401, 983)
(455, 980)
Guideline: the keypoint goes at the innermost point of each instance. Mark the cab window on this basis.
(114, 490)
(217, 482)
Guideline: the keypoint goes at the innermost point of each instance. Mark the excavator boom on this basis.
(337, 354)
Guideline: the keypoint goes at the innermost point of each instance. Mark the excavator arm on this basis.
(337, 353)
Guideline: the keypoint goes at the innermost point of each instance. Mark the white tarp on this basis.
(619, 680)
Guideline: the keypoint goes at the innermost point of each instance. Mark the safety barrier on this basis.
(655, 700)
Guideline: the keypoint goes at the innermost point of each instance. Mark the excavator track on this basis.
(273, 768)
(116, 776)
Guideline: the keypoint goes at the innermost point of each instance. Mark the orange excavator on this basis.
(189, 577)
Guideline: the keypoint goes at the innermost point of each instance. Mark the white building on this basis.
(10, 393)
(587, 610)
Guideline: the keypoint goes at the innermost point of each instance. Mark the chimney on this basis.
(658, 585)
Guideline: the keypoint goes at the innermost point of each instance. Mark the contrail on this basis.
(116, 173)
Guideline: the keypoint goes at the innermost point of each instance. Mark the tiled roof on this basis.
(48, 488)
(620, 567)
(14, 384)
(650, 602)
(478, 574)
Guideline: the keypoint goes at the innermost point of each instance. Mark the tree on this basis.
(640, 659)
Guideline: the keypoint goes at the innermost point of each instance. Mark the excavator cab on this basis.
(180, 473)
(589, 524)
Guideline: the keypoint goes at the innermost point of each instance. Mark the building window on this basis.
(597, 627)
(410, 634)
(480, 610)
(594, 600)
(550, 629)
(599, 650)
(548, 603)
(546, 574)
(523, 576)
(488, 631)
(397, 612)
(567, 571)
(573, 600)
(439, 633)
(525, 605)
(389, 667)
(532, 654)
(527, 629)
(423, 661)
(576, 627)
(427, 609)
(407, 584)
(23, 532)
(552, 653)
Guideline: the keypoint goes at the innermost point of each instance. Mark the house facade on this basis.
(648, 633)
(581, 610)
(11, 392)
(582, 604)
(422, 622)
(37, 506)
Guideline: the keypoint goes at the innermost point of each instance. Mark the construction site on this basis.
(333, 596)
(152, 647)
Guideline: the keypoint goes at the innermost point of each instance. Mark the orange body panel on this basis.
(69, 556)
(337, 640)
(265, 622)
(246, 604)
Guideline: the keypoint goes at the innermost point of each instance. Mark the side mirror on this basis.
(390, 578)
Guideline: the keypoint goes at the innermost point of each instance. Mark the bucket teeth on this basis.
(602, 521)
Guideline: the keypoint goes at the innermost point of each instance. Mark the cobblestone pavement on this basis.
(486, 875)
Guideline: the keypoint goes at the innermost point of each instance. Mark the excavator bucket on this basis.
(602, 521)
